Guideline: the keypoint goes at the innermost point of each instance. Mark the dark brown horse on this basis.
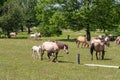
(98, 47)
(53, 47)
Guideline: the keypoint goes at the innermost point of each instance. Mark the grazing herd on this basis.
(52, 48)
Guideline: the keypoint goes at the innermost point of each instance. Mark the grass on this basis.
(16, 62)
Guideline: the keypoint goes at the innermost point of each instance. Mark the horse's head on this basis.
(66, 49)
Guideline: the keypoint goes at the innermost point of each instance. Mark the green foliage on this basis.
(49, 30)
(59, 14)
(115, 32)
(11, 17)
(77, 15)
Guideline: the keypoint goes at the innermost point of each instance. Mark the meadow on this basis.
(16, 62)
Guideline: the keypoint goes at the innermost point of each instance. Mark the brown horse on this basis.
(83, 41)
(97, 46)
(53, 47)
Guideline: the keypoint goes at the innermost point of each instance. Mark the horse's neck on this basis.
(61, 46)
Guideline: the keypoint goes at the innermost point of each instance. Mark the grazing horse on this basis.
(98, 46)
(104, 39)
(82, 40)
(36, 35)
(117, 41)
(13, 34)
(53, 47)
(107, 41)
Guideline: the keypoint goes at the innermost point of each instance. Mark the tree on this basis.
(29, 13)
(11, 16)
(46, 14)
(79, 14)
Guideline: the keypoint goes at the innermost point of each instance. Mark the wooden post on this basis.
(68, 37)
(78, 58)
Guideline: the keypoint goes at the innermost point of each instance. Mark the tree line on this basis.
(51, 16)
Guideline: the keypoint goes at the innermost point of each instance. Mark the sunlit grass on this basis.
(16, 62)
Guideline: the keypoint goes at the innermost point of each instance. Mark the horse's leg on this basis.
(85, 44)
(103, 54)
(96, 55)
(78, 44)
(55, 58)
(33, 54)
(49, 54)
(91, 51)
(42, 53)
(82, 44)
(38, 54)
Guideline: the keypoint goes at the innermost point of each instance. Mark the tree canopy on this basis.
(51, 16)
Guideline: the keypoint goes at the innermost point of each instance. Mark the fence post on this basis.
(78, 58)
(68, 37)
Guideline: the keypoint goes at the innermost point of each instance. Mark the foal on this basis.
(36, 51)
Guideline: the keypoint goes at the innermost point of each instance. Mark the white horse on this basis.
(13, 34)
(36, 35)
(36, 51)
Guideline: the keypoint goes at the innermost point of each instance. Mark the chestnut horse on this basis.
(98, 46)
(53, 47)
(82, 40)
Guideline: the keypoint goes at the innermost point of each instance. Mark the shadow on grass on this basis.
(70, 40)
(14, 38)
(107, 59)
(65, 61)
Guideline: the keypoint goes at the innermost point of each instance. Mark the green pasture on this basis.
(16, 62)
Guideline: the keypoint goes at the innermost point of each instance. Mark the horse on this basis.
(107, 41)
(104, 39)
(53, 47)
(13, 34)
(36, 51)
(117, 41)
(98, 46)
(35, 35)
(82, 40)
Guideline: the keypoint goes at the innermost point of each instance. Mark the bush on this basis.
(49, 30)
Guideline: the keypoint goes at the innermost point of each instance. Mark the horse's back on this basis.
(81, 38)
(49, 46)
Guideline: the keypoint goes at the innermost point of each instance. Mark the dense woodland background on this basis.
(51, 16)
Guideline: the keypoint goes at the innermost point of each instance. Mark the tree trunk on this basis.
(8, 34)
(21, 28)
(29, 30)
(88, 35)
